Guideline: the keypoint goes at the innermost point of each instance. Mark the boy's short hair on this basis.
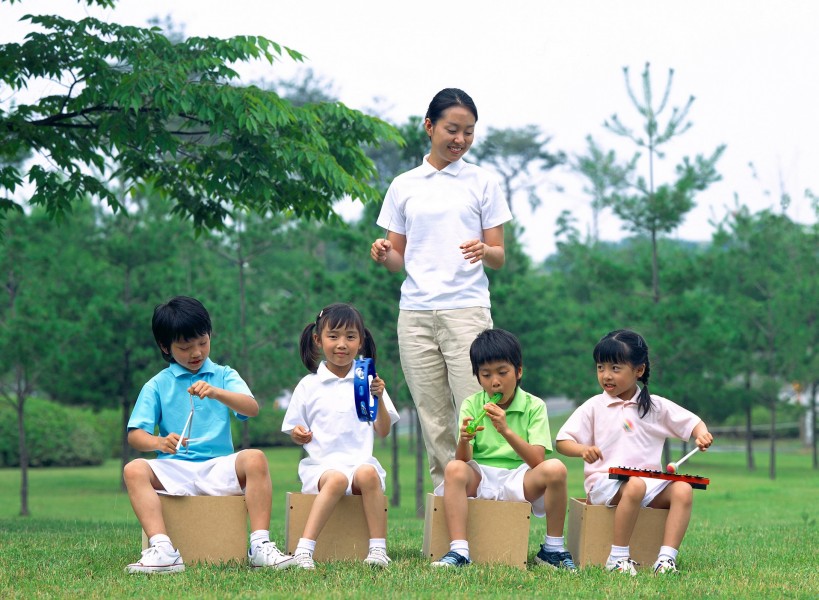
(180, 318)
(495, 345)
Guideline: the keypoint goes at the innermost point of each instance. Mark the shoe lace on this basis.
(565, 559)
(268, 549)
(380, 553)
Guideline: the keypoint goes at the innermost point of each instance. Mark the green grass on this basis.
(749, 538)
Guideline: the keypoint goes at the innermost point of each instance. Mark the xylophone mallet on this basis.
(673, 466)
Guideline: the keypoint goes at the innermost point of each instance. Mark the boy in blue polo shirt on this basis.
(190, 403)
(504, 460)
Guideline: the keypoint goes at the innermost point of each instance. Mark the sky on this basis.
(750, 64)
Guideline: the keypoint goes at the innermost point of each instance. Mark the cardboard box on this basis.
(591, 529)
(211, 529)
(498, 532)
(344, 537)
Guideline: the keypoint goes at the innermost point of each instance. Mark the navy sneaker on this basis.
(557, 560)
(452, 559)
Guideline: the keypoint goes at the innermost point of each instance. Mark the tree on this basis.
(651, 209)
(512, 153)
(606, 178)
(137, 107)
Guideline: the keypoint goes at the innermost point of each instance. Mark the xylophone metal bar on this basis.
(695, 481)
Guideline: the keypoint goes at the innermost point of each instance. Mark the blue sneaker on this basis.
(452, 559)
(556, 560)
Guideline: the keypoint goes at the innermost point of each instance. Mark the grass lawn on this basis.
(749, 538)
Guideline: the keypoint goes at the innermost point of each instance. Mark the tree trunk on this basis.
(23, 450)
(812, 424)
(749, 437)
(772, 470)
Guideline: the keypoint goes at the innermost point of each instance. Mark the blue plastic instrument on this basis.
(366, 405)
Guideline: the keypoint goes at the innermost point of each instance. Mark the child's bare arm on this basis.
(463, 451)
(241, 403)
(382, 422)
(702, 437)
(531, 454)
(589, 454)
(141, 440)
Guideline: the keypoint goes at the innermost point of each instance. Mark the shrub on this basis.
(56, 435)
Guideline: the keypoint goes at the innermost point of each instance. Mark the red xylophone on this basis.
(695, 481)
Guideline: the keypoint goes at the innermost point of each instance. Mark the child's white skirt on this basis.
(502, 484)
(214, 477)
(310, 473)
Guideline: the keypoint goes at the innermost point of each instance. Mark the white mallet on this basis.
(673, 466)
(182, 435)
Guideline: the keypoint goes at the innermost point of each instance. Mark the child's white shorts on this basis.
(605, 489)
(502, 484)
(214, 477)
(310, 474)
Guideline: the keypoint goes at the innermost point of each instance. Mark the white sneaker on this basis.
(622, 565)
(156, 559)
(304, 560)
(268, 555)
(377, 557)
(665, 565)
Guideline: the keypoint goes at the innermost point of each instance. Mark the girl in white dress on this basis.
(321, 416)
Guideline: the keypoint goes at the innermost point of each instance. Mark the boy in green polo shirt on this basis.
(504, 459)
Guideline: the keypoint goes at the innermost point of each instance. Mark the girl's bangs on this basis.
(610, 350)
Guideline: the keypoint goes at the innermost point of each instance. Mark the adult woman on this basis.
(444, 222)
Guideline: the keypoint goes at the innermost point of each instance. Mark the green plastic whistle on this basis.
(473, 424)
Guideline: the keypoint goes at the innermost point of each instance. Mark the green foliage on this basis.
(135, 107)
(513, 153)
(58, 436)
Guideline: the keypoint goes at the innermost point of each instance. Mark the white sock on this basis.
(667, 552)
(460, 546)
(258, 537)
(306, 545)
(378, 543)
(161, 538)
(618, 552)
(554, 544)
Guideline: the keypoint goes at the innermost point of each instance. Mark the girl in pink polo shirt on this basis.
(627, 426)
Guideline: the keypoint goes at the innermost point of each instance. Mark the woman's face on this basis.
(451, 135)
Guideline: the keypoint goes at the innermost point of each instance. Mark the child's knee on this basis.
(137, 471)
(456, 471)
(682, 494)
(554, 471)
(367, 477)
(634, 487)
(254, 460)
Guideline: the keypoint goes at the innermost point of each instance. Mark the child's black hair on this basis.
(624, 346)
(333, 316)
(180, 318)
(493, 345)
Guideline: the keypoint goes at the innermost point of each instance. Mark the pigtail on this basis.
(368, 345)
(307, 347)
(644, 403)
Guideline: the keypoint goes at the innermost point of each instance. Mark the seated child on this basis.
(504, 460)
(190, 402)
(321, 416)
(625, 426)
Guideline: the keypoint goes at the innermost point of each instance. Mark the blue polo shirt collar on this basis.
(179, 371)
